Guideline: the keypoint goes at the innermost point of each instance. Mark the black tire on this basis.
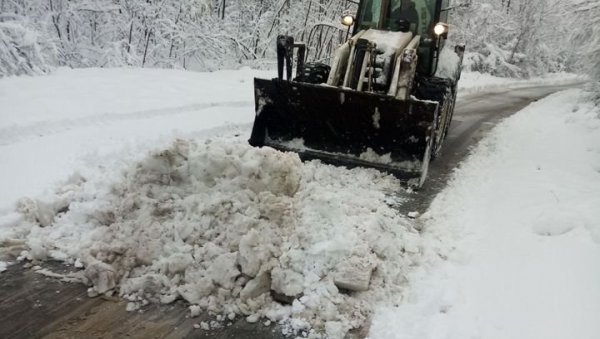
(451, 115)
(427, 157)
(442, 91)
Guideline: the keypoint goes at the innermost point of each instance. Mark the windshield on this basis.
(392, 15)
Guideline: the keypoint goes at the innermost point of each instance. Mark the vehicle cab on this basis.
(426, 18)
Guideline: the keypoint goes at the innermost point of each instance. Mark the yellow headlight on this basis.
(348, 20)
(440, 28)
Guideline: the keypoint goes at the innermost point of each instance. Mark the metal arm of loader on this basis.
(285, 56)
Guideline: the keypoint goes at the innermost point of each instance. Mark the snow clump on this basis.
(236, 230)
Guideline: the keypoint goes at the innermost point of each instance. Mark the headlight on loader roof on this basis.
(347, 20)
(440, 28)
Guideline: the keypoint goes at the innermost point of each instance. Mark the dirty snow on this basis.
(295, 144)
(372, 156)
(518, 234)
(222, 224)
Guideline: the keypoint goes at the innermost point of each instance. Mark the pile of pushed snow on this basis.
(231, 229)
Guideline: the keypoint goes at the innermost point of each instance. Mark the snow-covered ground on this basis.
(52, 125)
(475, 82)
(518, 234)
(144, 178)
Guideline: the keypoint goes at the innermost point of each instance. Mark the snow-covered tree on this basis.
(513, 38)
(586, 39)
(23, 47)
(505, 38)
(20, 50)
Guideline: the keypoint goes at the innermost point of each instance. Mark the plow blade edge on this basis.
(345, 127)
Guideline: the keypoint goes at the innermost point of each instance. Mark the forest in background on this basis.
(512, 38)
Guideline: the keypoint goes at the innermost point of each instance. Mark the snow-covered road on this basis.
(504, 247)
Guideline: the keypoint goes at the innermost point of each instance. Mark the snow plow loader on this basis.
(383, 99)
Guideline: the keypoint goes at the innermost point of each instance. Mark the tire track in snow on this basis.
(14, 134)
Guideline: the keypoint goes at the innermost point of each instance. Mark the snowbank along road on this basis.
(260, 241)
(475, 115)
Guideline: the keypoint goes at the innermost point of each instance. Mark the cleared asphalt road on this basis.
(33, 306)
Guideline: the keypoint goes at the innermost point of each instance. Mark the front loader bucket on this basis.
(345, 127)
